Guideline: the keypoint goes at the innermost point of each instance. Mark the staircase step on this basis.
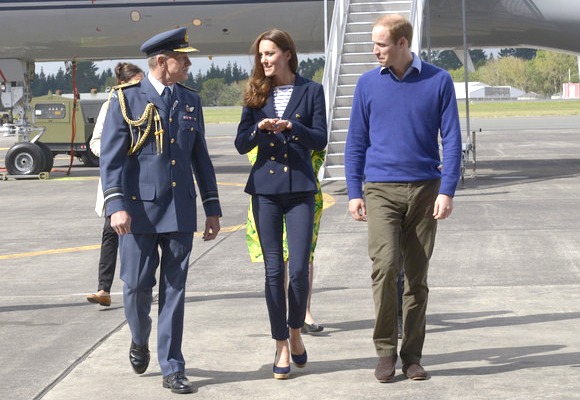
(334, 173)
(371, 15)
(359, 27)
(345, 90)
(358, 47)
(403, 6)
(358, 58)
(338, 135)
(357, 68)
(336, 147)
(335, 160)
(341, 112)
(348, 79)
(343, 101)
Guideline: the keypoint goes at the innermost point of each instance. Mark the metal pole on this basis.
(466, 75)
(428, 28)
(325, 26)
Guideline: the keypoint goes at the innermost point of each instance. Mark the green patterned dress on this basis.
(252, 240)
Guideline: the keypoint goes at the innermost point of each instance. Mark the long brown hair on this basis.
(259, 86)
(125, 71)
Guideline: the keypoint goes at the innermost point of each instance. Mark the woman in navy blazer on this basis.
(284, 115)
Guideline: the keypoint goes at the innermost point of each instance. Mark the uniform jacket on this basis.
(283, 164)
(157, 190)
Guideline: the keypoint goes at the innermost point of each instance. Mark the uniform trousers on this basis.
(270, 211)
(401, 229)
(139, 261)
(108, 258)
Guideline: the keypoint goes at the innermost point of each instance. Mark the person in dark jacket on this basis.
(284, 115)
(152, 148)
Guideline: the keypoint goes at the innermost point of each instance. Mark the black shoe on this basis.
(300, 360)
(311, 328)
(178, 383)
(139, 357)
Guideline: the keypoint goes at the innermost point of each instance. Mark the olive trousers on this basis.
(401, 230)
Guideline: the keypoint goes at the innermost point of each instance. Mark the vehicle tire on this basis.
(48, 156)
(25, 159)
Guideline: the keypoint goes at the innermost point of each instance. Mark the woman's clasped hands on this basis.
(275, 125)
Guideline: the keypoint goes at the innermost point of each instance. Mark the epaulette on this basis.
(124, 85)
(113, 92)
(186, 87)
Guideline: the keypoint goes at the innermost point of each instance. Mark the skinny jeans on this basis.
(270, 212)
(401, 229)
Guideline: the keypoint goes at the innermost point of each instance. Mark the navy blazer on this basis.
(157, 190)
(284, 164)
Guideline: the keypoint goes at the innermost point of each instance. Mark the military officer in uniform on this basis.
(152, 147)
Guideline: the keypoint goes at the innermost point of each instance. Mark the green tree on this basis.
(106, 80)
(210, 91)
(445, 59)
(318, 75)
(449, 61)
(86, 76)
(230, 95)
(307, 68)
(506, 71)
(478, 56)
(458, 75)
(526, 54)
(549, 70)
(39, 85)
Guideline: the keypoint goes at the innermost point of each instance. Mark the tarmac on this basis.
(503, 317)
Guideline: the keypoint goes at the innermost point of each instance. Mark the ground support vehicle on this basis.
(52, 120)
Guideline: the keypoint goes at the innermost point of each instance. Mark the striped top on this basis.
(281, 98)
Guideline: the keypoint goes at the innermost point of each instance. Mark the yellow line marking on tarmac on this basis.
(91, 247)
(328, 202)
(76, 178)
(51, 251)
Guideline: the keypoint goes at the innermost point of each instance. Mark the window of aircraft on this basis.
(50, 111)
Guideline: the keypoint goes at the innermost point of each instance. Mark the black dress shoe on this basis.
(139, 357)
(311, 328)
(178, 383)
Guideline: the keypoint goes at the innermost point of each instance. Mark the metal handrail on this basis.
(332, 59)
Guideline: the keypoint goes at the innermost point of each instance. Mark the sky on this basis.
(198, 64)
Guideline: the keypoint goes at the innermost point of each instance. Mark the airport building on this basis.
(482, 91)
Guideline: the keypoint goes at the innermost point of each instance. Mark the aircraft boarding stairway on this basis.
(349, 54)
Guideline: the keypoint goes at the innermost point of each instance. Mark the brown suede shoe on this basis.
(103, 298)
(385, 370)
(414, 372)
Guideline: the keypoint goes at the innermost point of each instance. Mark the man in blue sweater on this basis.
(399, 112)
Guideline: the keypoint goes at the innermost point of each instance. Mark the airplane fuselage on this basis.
(110, 29)
(95, 30)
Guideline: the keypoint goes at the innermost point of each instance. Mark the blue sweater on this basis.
(393, 135)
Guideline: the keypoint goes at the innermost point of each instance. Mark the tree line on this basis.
(534, 71)
(217, 86)
(539, 72)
